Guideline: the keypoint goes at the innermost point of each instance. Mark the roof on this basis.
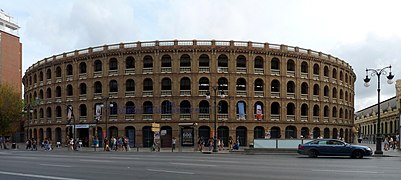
(384, 105)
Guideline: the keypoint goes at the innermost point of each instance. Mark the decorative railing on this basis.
(185, 116)
(185, 69)
(166, 116)
(241, 93)
(259, 93)
(147, 70)
(275, 94)
(147, 93)
(316, 118)
(222, 69)
(166, 69)
(204, 69)
(304, 96)
(130, 71)
(275, 117)
(275, 72)
(290, 118)
(166, 92)
(185, 92)
(129, 93)
(241, 69)
(291, 95)
(113, 72)
(259, 71)
(204, 116)
(147, 117)
(291, 73)
(304, 75)
(97, 74)
(221, 117)
(304, 118)
(82, 76)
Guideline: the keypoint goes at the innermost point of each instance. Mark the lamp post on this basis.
(106, 118)
(215, 88)
(378, 72)
(70, 116)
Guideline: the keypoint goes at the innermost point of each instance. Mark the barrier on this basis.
(279, 143)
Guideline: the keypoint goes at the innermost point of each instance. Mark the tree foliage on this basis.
(10, 109)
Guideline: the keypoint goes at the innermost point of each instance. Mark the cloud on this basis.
(374, 52)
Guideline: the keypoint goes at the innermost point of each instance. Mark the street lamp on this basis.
(215, 88)
(378, 72)
(106, 119)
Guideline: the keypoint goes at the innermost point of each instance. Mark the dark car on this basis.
(333, 147)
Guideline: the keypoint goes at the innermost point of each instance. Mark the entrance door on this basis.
(166, 139)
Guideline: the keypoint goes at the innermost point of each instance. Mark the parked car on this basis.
(333, 147)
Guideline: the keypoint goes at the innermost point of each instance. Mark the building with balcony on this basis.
(275, 90)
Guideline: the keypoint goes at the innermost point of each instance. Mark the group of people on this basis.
(390, 143)
(219, 142)
(116, 144)
(3, 141)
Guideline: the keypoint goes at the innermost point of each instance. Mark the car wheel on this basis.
(313, 153)
(357, 154)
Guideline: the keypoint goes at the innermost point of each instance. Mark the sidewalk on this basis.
(22, 146)
(389, 153)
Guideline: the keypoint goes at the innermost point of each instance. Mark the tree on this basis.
(10, 109)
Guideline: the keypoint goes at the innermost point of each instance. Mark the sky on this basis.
(364, 33)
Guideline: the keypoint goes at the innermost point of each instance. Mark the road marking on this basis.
(54, 165)
(191, 164)
(90, 160)
(166, 171)
(344, 171)
(36, 176)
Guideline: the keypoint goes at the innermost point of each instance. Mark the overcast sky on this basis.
(364, 33)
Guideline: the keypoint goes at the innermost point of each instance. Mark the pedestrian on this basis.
(230, 143)
(71, 144)
(173, 141)
(386, 143)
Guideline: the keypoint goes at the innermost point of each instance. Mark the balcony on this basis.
(41, 120)
(275, 117)
(275, 72)
(48, 81)
(203, 116)
(166, 70)
(113, 94)
(58, 119)
(69, 78)
(82, 119)
(222, 69)
(334, 100)
(304, 75)
(259, 93)
(147, 93)
(326, 79)
(315, 76)
(185, 92)
(291, 73)
(290, 95)
(275, 94)
(147, 70)
(185, 117)
(129, 93)
(129, 117)
(335, 120)
(316, 118)
(166, 93)
(259, 71)
(113, 117)
(241, 93)
(185, 69)
(58, 79)
(241, 69)
(203, 92)
(222, 117)
(69, 98)
(166, 117)
(82, 76)
(325, 98)
(290, 118)
(326, 119)
(57, 99)
(40, 83)
(113, 72)
(97, 74)
(98, 96)
(334, 81)
(316, 97)
(204, 69)
(304, 96)
(130, 71)
(241, 118)
(82, 97)
(304, 118)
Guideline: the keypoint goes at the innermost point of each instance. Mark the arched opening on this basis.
(259, 132)
(290, 132)
(275, 132)
(241, 134)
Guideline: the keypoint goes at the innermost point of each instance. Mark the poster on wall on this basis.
(187, 137)
(259, 112)
(267, 134)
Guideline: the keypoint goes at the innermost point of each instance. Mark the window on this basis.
(82, 68)
(98, 87)
(69, 70)
(130, 85)
(129, 62)
(98, 65)
(113, 86)
(113, 64)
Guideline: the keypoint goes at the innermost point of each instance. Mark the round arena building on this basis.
(184, 89)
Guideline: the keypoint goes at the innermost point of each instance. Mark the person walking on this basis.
(386, 143)
(173, 141)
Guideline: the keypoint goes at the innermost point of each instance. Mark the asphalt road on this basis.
(64, 165)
